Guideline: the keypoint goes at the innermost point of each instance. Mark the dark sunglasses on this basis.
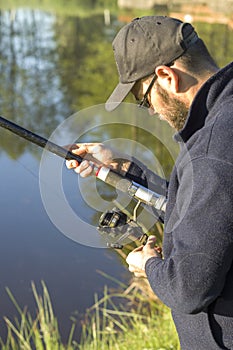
(144, 101)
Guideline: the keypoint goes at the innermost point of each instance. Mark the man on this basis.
(167, 67)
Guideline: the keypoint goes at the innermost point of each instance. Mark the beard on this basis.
(171, 109)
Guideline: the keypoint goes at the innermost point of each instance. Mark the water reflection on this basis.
(34, 94)
(33, 249)
(31, 88)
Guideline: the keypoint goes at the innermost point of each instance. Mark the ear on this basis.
(168, 79)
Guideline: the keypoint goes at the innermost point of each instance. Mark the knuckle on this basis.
(68, 164)
(131, 268)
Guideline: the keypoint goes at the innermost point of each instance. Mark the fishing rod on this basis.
(138, 192)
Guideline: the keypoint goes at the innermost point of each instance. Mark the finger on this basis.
(150, 242)
(151, 239)
(83, 148)
(138, 249)
(132, 257)
(87, 147)
(140, 274)
(88, 144)
(71, 147)
(129, 258)
(132, 268)
(91, 152)
(84, 169)
(81, 151)
(136, 271)
(158, 249)
(70, 164)
(87, 172)
(150, 246)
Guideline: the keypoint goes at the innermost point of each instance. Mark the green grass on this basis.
(129, 319)
(133, 319)
(40, 333)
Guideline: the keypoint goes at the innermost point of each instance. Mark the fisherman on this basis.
(168, 69)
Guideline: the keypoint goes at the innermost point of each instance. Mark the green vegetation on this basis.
(145, 325)
(39, 333)
(218, 40)
(131, 319)
(64, 7)
(45, 78)
(74, 8)
(57, 59)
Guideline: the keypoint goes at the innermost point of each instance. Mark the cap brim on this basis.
(118, 95)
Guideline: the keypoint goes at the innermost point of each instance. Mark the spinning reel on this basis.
(117, 227)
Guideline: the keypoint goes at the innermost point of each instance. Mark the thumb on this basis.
(150, 244)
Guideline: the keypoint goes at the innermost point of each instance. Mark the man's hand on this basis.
(95, 154)
(138, 257)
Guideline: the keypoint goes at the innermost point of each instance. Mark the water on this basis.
(50, 67)
(34, 94)
(32, 249)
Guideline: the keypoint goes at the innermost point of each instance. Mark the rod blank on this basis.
(38, 140)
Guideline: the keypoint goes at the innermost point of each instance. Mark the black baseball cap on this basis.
(144, 44)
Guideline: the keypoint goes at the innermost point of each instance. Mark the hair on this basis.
(197, 59)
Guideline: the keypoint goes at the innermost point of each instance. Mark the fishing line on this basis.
(34, 175)
(46, 184)
(50, 173)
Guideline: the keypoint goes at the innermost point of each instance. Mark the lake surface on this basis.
(52, 66)
(32, 248)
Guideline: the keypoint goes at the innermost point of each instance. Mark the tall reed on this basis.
(132, 318)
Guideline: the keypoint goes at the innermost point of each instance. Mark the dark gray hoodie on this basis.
(195, 277)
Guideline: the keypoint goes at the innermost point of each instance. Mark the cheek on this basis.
(157, 104)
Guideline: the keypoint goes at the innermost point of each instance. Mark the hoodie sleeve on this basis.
(198, 238)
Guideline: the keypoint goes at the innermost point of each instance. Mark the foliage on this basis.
(218, 40)
(57, 62)
(40, 333)
(65, 7)
(131, 318)
(134, 319)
